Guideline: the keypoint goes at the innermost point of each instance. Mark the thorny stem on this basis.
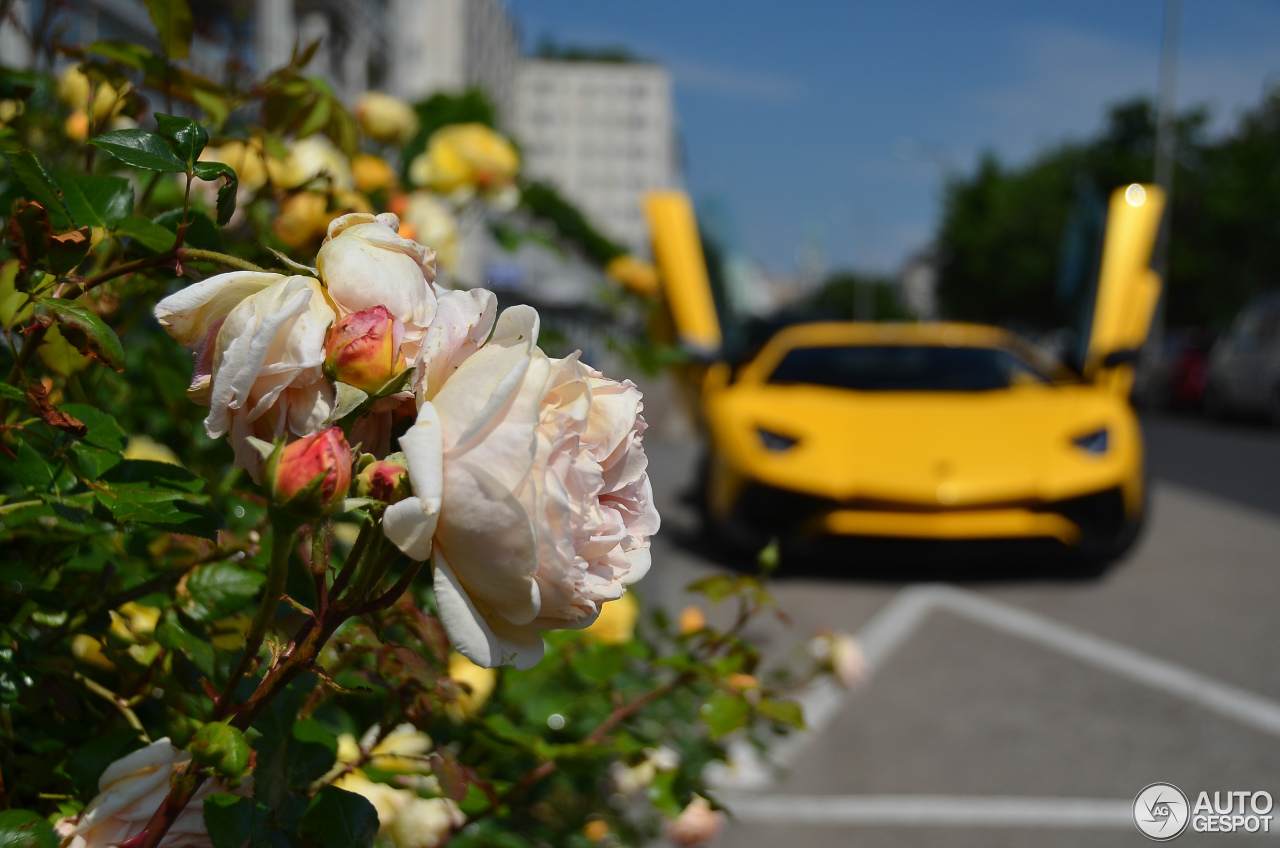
(353, 559)
(189, 254)
(296, 659)
(277, 577)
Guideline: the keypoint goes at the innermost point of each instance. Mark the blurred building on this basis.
(451, 46)
(603, 133)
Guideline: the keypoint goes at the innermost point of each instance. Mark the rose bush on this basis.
(131, 789)
(357, 494)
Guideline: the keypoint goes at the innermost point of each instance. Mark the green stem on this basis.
(277, 577)
(195, 255)
(379, 562)
(353, 558)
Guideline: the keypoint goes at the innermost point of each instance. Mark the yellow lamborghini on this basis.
(937, 431)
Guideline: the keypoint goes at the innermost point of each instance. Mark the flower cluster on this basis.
(527, 483)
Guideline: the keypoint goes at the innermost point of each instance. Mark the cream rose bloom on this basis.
(132, 789)
(530, 495)
(365, 263)
(259, 345)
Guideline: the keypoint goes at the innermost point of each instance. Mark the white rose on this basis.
(530, 495)
(259, 344)
(364, 263)
(133, 788)
(424, 822)
(310, 159)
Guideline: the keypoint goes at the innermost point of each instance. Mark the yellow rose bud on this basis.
(10, 109)
(616, 624)
(385, 118)
(596, 831)
(691, 620)
(88, 650)
(372, 173)
(73, 87)
(77, 125)
(479, 684)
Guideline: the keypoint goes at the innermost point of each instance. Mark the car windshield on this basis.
(905, 368)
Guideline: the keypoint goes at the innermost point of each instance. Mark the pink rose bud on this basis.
(384, 481)
(313, 474)
(363, 349)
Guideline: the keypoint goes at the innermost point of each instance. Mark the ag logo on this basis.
(1161, 811)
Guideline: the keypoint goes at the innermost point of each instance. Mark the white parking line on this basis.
(1230, 701)
(930, 810)
(899, 619)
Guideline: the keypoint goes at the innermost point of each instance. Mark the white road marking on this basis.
(903, 616)
(1222, 698)
(930, 810)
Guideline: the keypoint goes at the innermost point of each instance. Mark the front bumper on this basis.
(1093, 518)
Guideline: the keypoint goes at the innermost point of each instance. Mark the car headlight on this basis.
(1096, 442)
(775, 441)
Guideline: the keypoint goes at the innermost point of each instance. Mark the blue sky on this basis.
(831, 124)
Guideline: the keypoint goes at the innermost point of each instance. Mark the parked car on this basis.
(931, 431)
(1244, 366)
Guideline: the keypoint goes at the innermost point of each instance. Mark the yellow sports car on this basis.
(936, 431)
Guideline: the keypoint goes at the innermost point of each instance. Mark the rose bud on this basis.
(384, 481)
(363, 349)
(312, 475)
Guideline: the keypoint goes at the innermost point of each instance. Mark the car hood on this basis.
(930, 449)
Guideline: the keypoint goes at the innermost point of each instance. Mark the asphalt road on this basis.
(1029, 709)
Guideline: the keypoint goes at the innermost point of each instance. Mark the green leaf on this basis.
(147, 233)
(31, 231)
(9, 392)
(312, 752)
(716, 588)
(187, 137)
(28, 468)
(104, 432)
(662, 793)
(599, 662)
(84, 330)
(27, 168)
(91, 759)
(226, 192)
(25, 829)
(175, 637)
(141, 149)
(125, 52)
(68, 250)
(783, 712)
(724, 713)
(174, 26)
(236, 822)
(219, 589)
(99, 201)
(160, 475)
(339, 819)
(202, 233)
(163, 509)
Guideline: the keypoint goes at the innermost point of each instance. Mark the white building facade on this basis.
(451, 46)
(603, 134)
